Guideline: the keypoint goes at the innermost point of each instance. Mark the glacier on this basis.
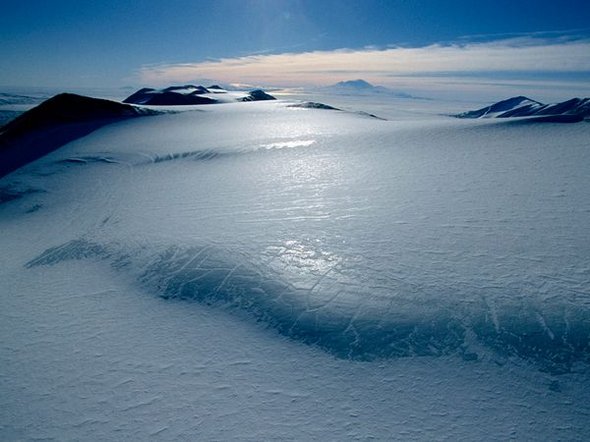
(288, 270)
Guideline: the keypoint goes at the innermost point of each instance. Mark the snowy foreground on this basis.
(257, 271)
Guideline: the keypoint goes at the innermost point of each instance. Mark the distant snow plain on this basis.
(257, 271)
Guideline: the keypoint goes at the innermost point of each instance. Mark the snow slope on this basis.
(55, 122)
(262, 271)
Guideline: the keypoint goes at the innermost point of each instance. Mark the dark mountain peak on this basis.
(258, 95)
(513, 101)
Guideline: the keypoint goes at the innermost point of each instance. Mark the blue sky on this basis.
(118, 42)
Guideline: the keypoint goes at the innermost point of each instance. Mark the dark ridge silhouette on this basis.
(257, 95)
(187, 95)
(575, 106)
(570, 111)
(171, 96)
(501, 106)
(55, 122)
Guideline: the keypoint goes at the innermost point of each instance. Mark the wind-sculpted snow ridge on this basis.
(338, 314)
(193, 155)
(10, 193)
(570, 111)
(191, 95)
(55, 122)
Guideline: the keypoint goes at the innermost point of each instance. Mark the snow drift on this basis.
(357, 328)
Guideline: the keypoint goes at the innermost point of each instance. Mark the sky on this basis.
(290, 43)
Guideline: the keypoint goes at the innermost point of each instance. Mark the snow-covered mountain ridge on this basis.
(573, 110)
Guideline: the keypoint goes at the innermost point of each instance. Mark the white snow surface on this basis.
(254, 271)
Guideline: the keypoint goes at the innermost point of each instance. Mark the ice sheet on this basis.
(419, 278)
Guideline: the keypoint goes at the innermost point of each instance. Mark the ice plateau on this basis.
(284, 270)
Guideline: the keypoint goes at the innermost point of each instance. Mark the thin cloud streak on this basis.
(523, 54)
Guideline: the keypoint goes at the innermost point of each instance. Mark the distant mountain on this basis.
(358, 85)
(362, 87)
(55, 122)
(190, 94)
(570, 111)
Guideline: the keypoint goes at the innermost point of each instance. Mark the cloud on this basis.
(519, 54)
